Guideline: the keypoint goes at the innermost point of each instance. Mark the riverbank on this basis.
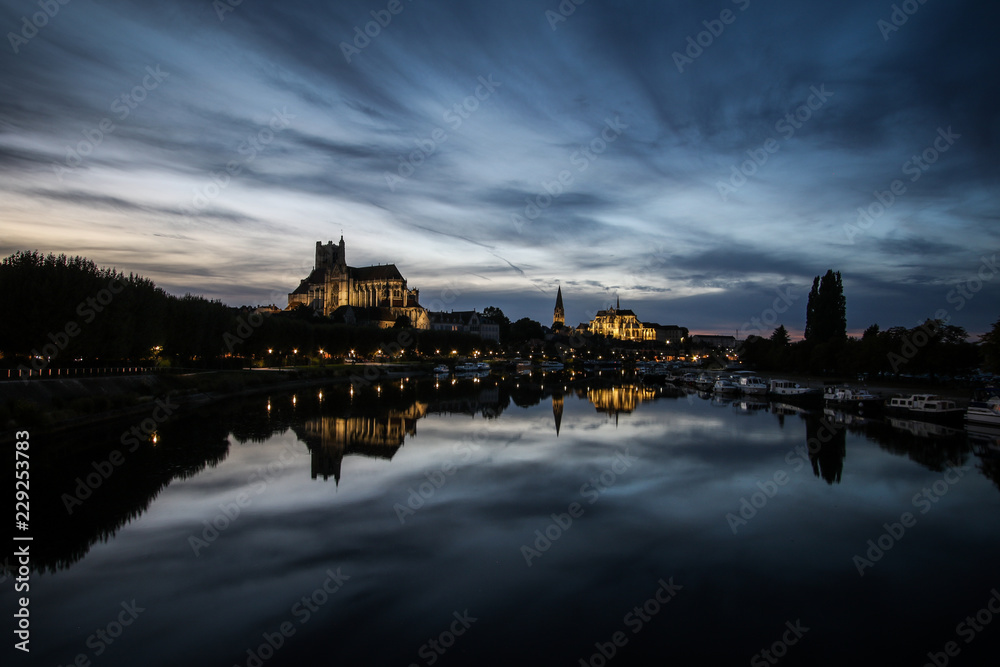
(59, 404)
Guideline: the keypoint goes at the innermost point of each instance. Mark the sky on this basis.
(700, 161)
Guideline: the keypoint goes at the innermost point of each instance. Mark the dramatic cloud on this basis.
(699, 160)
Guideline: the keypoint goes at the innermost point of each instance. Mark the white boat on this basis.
(790, 389)
(849, 397)
(725, 386)
(482, 366)
(926, 407)
(441, 370)
(704, 381)
(753, 385)
(467, 367)
(985, 409)
(551, 366)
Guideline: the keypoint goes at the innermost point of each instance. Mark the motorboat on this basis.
(985, 408)
(926, 407)
(705, 382)
(752, 385)
(852, 398)
(789, 389)
(725, 386)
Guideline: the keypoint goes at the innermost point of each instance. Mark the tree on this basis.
(495, 314)
(524, 330)
(780, 336)
(990, 346)
(826, 310)
(402, 322)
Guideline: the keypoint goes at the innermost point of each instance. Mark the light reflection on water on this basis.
(429, 498)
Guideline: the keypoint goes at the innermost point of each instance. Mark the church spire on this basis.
(559, 314)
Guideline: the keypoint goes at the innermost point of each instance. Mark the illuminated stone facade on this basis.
(381, 290)
(620, 324)
(623, 324)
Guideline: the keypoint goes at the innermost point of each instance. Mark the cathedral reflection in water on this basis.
(330, 439)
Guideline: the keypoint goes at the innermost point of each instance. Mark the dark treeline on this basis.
(62, 311)
(934, 348)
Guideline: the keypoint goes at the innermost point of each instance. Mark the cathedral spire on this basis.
(559, 314)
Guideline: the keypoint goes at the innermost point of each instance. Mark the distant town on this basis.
(76, 314)
(378, 296)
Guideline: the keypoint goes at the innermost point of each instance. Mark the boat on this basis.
(985, 408)
(705, 382)
(752, 385)
(792, 390)
(467, 367)
(441, 370)
(725, 386)
(482, 366)
(850, 398)
(926, 407)
(551, 366)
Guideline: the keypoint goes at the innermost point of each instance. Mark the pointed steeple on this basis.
(618, 302)
(559, 314)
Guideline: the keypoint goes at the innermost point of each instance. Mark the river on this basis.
(532, 520)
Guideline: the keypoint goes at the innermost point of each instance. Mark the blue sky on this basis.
(697, 159)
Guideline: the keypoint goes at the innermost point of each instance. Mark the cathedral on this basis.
(370, 294)
(622, 324)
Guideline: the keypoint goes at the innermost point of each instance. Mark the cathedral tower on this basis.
(558, 315)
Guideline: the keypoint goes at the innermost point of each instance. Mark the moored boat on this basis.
(985, 408)
(725, 386)
(852, 399)
(793, 392)
(704, 382)
(926, 407)
(752, 385)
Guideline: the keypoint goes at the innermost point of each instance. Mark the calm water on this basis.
(522, 522)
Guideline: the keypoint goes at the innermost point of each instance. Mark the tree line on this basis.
(62, 311)
(934, 348)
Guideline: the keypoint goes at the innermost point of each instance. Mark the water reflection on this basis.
(330, 438)
(827, 443)
(620, 399)
(373, 448)
(339, 421)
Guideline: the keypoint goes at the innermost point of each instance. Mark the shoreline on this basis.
(54, 405)
(47, 396)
